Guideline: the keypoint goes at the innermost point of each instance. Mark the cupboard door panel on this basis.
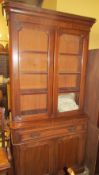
(67, 152)
(70, 151)
(34, 159)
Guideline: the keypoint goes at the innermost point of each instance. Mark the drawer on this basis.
(48, 133)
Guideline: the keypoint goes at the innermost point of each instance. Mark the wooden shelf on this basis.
(70, 73)
(33, 91)
(66, 90)
(34, 72)
(35, 111)
(32, 52)
(71, 54)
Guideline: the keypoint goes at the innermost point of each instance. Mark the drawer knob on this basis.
(72, 129)
(35, 135)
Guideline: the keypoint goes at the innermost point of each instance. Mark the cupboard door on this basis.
(34, 71)
(70, 152)
(69, 72)
(34, 158)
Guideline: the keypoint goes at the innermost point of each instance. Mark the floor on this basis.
(86, 172)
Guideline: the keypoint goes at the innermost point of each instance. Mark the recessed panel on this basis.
(33, 62)
(69, 44)
(69, 81)
(34, 102)
(33, 39)
(67, 152)
(69, 63)
(33, 81)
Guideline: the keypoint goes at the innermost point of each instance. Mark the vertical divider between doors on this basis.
(55, 81)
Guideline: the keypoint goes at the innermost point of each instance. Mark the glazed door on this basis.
(69, 72)
(33, 75)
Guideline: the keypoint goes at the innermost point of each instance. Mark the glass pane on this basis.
(35, 103)
(69, 81)
(69, 72)
(34, 81)
(33, 65)
(35, 40)
(69, 44)
(31, 62)
(69, 63)
(68, 102)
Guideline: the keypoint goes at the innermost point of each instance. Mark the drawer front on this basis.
(47, 133)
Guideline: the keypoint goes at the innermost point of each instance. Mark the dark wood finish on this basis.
(4, 98)
(72, 147)
(65, 141)
(92, 109)
(92, 87)
(4, 162)
(2, 132)
(4, 71)
(48, 56)
(4, 64)
(97, 161)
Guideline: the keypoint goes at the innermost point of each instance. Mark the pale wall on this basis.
(50, 4)
(81, 7)
(88, 8)
(3, 29)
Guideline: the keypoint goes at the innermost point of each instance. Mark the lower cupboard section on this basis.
(49, 157)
